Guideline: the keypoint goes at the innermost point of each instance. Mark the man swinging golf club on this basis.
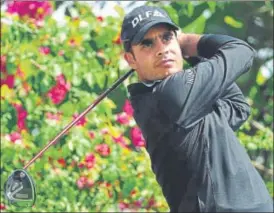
(188, 117)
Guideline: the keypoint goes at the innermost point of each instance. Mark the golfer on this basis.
(188, 116)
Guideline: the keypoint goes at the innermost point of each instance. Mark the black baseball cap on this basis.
(139, 21)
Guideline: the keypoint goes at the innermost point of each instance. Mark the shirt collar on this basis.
(150, 83)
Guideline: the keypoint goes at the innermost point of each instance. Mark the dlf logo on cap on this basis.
(139, 21)
(147, 15)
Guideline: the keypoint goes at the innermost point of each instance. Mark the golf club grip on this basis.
(97, 101)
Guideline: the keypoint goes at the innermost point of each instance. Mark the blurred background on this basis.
(58, 56)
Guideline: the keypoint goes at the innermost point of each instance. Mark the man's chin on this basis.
(172, 70)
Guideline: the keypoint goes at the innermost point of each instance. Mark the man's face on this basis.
(157, 56)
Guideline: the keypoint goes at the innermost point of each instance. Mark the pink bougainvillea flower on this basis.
(57, 93)
(32, 9)
(17, 106)
(91, 134)
(2, 206)
(61, 52)
(21, 116)
(21, 125)
(122, 118)
(44, 50)
(90, 160)
(53, 116)
(100, 18)
(39, 23)
(20, 73)
(5, 77)
(104, 131)
(151, 202)
(81, 165)
(127, 108)
(15, 137)
(103, 149)
(81, 182)
(137, 137)
(8, 80)
(90, 165)
(60, 79)
(138, 203)
(89, 157)
(84, 182)
(121, 140)
(89, 183)
(81, 122)
(123, 206)
(3, 64)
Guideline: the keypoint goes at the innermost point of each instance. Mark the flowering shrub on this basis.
(48, 78)
(32, 9)
(49, 75)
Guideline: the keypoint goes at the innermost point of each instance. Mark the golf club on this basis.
(19, 189)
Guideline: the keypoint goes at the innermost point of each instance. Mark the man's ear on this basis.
(130, 60)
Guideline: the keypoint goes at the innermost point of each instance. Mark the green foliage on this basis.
(78, 61)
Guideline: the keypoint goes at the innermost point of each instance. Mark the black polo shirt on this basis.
(188, 121)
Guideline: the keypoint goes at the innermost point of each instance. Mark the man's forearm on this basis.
(189, 44)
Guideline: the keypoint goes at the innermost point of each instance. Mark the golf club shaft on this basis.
(98, 100)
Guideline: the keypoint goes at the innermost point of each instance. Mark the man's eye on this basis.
(146, 43)
(168, 36)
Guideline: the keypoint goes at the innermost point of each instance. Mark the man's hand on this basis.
(188, 44)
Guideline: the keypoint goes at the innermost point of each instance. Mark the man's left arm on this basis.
(234, 106)
(232, 102)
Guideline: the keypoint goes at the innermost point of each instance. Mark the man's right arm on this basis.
(189, 95)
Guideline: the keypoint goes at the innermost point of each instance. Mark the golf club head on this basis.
(19, 189)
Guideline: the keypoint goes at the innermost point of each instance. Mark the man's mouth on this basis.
(165, 62)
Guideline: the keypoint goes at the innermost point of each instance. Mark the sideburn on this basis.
(131, 51)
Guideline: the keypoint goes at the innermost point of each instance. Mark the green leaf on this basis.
(89, 78)
(27, 68)
(76, 80)
(260, 79)
(26, 48)
(110, 174)
(29, 103)
(68, 108)
(10, 65)
(212, 6)
(172, 13)
(190, 10)
(233, 22)
(100, 79)
(119, 10)
(128, 186)
(196, 26)
(252, 146)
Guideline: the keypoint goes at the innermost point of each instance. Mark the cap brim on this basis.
(140, 35)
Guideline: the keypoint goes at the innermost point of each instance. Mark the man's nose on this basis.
(161, 48)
